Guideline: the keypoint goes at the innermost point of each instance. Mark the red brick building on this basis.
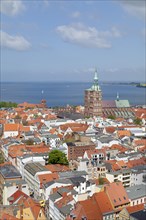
(93, 99)
(77, 149)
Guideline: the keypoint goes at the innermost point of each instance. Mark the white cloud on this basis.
(75, 14)
(11, 7)
(87, 36)
(136, 8)
(13, 42)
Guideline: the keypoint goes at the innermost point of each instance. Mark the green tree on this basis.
(57, 157)
(2, 160)
(137, 121)
(8, 104)
(101, 181)
(29, 142)
(112, 117)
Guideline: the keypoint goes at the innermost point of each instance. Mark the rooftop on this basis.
(136, 191)
(33, 168)
(9, 171)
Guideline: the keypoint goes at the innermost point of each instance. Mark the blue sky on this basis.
(65, 40)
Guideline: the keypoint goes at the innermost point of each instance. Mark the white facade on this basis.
(33, 182)
(11, 189)
(10, 134)
(122, 176)
(137, 178)
(22, 161)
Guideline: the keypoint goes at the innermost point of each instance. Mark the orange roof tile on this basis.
(95, 151)
(57, 168)
(64, 200)
(89, 208)
(119, 197)
(133, 163)
(16, 150)
(11, 127)
(140, 142)
(44, 178)
(6, 216)
(122, 133)
(110, 129)
(17, 195)
(74, 127)
(38, 149)
(103, 202)
(30, 203)
(135, 208)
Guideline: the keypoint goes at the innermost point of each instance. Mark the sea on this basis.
(67, 93)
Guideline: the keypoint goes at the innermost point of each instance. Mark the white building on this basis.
(31, 170)
(138, 175)
(23, 160)
(137, 194)
(123, 176)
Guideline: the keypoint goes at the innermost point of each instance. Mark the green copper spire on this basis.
(95, 85)
(117, 96)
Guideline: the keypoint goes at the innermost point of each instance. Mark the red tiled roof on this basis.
(122, 133)
(44, 178)
(11, 127)
(135, 208)
(30, 203)
(133, 163)
(119, 197)
(64, 200)
(57, 168)
(95, 151)
(103, 202)
(6, 216)
(75, 127)
(110, 129)
(140, 142)
(17, 195)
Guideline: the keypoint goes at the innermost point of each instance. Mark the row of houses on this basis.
(104, 155)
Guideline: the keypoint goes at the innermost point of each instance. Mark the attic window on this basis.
(114, 200)
(119, 199)
(124, 197)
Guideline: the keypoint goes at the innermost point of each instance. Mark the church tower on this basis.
(93, 99)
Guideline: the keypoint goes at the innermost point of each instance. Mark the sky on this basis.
(45, 40)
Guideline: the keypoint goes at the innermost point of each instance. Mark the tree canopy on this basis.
(2, 160)
(57, 157)
(137, 121)
(112, 117)
(8, 104)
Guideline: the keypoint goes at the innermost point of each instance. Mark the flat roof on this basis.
(35, 167)
(9, 171)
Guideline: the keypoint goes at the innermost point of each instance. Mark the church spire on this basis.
(95, 85)
(117, 96)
